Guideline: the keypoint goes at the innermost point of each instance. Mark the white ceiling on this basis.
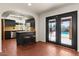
(41, 7)
(35, 8)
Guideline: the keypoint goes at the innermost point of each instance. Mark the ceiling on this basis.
(35, 7)
(41, 7)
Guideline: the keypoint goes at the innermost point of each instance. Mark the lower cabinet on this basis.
(10, 34)
(7, 35)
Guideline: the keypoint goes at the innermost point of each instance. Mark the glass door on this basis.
(66, 30)
(52, 30)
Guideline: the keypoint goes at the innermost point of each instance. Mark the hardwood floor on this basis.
(10, 48)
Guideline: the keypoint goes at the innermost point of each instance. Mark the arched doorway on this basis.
(13, 22)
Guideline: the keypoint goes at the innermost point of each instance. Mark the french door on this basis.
(62, 29)
(52, 30)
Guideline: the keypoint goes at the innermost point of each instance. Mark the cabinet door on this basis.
(7, 34)
(9, 22)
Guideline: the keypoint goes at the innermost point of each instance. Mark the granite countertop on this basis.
(20, 31)
(25, 32)
(13, 30)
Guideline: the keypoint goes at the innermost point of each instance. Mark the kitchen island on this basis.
(23, 37)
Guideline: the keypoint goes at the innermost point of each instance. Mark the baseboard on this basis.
(77, 50)
(40, 41)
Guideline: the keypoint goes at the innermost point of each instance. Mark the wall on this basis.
(23, 11)
(60, 10)
(0, 37)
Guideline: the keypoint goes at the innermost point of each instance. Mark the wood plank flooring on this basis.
(10, 48)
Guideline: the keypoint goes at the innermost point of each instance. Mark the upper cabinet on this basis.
(10, 22)
(30, 25)
(31, 21)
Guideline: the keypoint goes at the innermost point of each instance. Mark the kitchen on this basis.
(15, 24)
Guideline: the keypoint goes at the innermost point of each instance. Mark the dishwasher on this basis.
(13, 34)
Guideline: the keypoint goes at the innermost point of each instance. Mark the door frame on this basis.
(58, 28)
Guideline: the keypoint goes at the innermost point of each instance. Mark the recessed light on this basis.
(29, 4)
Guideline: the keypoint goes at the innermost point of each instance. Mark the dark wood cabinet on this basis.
(9, 22)
(31, 21)
(7, 34)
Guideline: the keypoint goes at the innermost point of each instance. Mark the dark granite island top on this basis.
(21, 31)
